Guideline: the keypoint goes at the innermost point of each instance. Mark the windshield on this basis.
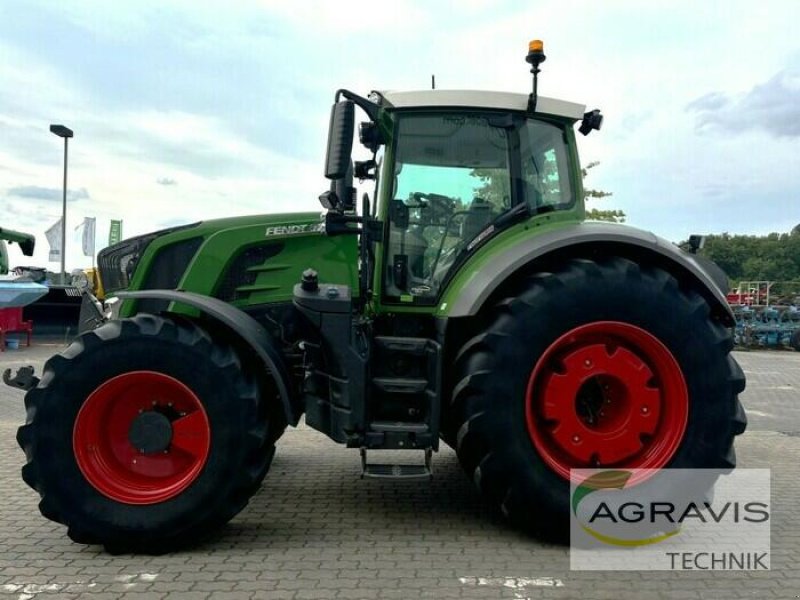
(454, 175)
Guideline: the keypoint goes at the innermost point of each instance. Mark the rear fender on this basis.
(587, 240)
(242, 326)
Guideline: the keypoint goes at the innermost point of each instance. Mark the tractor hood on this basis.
(293, 221)
(119, 263)
(246, 260)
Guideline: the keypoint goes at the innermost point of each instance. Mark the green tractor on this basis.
(26, 243)
(467, 301)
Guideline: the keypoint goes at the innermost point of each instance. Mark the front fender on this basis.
(487, 276)
(240, 324)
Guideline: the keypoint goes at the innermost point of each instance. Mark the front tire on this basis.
(145, 435)
(598, 364)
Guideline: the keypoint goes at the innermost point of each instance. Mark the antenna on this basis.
(433, 81)
(535, 58)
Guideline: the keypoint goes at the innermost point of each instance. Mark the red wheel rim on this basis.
(103, 437)
(606, 394)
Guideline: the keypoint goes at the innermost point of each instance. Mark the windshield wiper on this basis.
(512, 215)
(506, 219)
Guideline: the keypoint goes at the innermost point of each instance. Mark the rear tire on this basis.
(109, 391)
(521, 383)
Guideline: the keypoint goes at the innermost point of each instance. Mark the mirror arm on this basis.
(366, 105)
(339, 224)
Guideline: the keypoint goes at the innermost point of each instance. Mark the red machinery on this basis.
(11, 321)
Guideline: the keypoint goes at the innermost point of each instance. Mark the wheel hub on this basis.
(607, 394)
(602, 403)
(150, 432)
(142, 437)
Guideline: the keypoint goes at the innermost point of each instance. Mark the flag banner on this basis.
(115, 232)
(87, 241)
(54, 239)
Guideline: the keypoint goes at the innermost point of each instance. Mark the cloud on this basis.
(167, 223)
(42, 193)
(233, 104)
(773, 107)
(709, 102)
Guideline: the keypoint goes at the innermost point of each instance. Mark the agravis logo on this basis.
(669, 519)
(653, 516)
(608, 480)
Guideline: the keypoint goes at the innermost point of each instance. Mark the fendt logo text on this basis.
(294, 229)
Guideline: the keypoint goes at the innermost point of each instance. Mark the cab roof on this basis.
(480, 99)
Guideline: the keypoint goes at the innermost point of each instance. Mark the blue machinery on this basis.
(767, 326)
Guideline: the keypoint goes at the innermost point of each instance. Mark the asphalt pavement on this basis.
(316, 530)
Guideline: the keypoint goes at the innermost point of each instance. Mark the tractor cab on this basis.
(458, 168)
(456, 177)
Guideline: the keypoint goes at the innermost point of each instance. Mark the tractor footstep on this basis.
(389, 471)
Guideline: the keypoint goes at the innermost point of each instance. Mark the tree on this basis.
(494, 187)
(595, 214)
(772, 257)
(495, 190)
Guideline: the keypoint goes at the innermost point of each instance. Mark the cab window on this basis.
(454, 175)
(545, 166)
(451, 179)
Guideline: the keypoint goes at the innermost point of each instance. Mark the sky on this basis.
(186, 110)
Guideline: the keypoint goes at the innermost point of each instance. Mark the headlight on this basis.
(117, 263)
(80, 281)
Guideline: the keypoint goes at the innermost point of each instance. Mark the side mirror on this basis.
(399, 214)
(340, 139)
(345, 191)
(341, 196)
(591, 120)
(696, 242)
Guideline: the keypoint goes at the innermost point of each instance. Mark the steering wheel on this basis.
(441, 202)
(440, 207)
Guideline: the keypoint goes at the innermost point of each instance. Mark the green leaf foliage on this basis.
(596, 214)
(772, 257)
(495, 190)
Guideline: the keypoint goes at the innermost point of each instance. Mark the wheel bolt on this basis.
(576, 438)
(645, 410)
(587, 363)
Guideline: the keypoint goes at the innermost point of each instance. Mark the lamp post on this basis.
(66, 133)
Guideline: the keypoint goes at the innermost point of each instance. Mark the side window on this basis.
(545, 166)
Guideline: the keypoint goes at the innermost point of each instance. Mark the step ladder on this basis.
(395, 471)
(404, 388)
